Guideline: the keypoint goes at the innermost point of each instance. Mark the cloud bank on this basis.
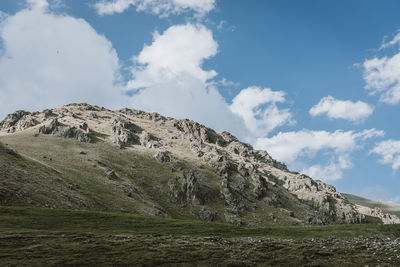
(49, 60)
(339, 109)
(291, 147)
(162, 8)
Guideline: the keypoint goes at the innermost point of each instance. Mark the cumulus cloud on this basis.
(162, 8)
(169, 78)
(257, 106)
(48, 60)
(331, 171)
(389, 150)
(340, 109)
(292, 146)
(382, 75)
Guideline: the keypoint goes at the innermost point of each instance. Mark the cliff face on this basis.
(146, 163)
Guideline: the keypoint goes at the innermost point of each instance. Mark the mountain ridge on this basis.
(181, 169)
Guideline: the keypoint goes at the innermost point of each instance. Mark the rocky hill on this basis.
(87, 157)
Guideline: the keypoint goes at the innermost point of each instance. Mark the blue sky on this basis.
(315, 83)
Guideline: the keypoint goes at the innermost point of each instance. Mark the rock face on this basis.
(376, 212)
(65, 131)
(188, 190)
(124, 132)
(18, 121)
(239, 164)
(215, 176)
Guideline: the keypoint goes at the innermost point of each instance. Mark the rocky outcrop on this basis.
(188, 190)
(233, 192)
(153, 116)
(228, 157)
(163, 156)
(18, 121)
(195, 131)
(378, 213)
(148, 140)
(330, 204)
(65, 131)
(124, 132)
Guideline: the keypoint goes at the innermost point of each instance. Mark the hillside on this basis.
(90, 158)
(384, 206)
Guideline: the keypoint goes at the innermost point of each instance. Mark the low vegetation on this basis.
(37, 236)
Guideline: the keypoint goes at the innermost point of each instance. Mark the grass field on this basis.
(40, 237)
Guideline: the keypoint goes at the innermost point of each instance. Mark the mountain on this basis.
(87, 157)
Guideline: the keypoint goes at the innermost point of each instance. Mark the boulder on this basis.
(111, 174)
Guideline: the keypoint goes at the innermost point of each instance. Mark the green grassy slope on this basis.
(64, 173)
(385, 207)
(75, 172)
(35, 236)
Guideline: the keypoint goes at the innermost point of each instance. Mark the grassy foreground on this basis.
(51, 237)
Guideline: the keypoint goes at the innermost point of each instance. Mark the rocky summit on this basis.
(87, 157)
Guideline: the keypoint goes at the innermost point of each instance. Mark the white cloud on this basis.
(331, 171)
(289, 147)
(50, 60)
(38, 4)
(339, 109)
(389, 150)
(180, 49)
(382, 75)
(395, 40)
(169, 79)
(258, 109)
(162, 8)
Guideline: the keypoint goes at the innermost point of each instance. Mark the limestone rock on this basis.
(124, 132)
(188, 189)
(377, 212)
(163, 156)
(65, 131)
(18, 121)
(197, 131)
(148, 140)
